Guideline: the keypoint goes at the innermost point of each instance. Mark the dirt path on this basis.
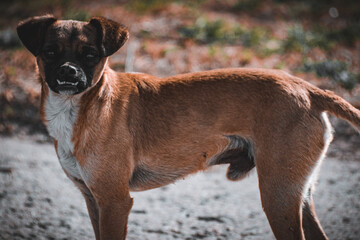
(37, 201)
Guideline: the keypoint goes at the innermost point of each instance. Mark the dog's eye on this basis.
(89, 53)
(50, 53)
(90, 56)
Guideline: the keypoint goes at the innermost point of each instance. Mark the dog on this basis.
(120, 132)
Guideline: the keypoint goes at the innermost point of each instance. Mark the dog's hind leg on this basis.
(281, 198)
(285, 162)
(311, 224)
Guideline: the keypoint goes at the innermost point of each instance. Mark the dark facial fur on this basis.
(70, 55)
(70, 52)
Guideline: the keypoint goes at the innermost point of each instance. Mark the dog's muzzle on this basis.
(70, 80)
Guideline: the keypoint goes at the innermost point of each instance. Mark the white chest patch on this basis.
(61, 114)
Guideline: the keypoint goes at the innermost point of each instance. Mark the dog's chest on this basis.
(61, 114)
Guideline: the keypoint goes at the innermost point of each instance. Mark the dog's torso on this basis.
(153, 118)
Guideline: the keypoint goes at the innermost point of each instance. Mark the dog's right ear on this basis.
(32, 32)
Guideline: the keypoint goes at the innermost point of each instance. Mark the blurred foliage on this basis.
(252, 37)
(297, 39)
(206, 31)
(145, 6)
(21, 9)
(79, 15)
(337, 71)
(9, 39)
(246, 5)
(246, 57)
(300, 40)
(218, 31)
(140, 6)
(13, 11)
(347, 35)
(348, 9)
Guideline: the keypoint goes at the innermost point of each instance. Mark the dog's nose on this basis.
(68, 70)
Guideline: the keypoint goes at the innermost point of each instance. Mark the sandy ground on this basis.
(37, 201)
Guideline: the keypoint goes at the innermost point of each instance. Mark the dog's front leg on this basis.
(109, 185)
(108, 207)
(114, 214)
(91, 206)
(93, 213)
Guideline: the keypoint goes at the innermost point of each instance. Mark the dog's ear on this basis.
(112, 34)
(32, 32)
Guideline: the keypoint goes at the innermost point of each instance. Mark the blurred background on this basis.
(318, 41)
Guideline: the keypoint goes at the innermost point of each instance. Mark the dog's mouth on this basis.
(67, 87)
(65, 83)
(69, 79)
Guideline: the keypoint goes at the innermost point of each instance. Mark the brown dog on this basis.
(121, 132)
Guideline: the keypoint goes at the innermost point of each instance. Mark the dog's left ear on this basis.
(112, 34)
(32, 32)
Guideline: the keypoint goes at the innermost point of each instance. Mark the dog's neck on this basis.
(60, 115)
(60, 112)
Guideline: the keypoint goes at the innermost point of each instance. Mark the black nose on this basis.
(68, 70)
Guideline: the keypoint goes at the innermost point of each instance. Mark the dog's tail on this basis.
(328, 101)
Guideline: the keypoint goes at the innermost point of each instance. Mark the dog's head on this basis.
(71, 55)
